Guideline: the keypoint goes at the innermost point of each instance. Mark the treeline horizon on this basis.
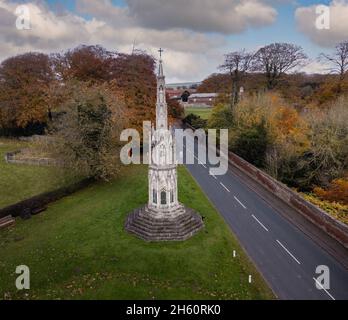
(275, 67)
(34, 87)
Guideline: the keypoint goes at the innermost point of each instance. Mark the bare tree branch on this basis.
(277, 59)
(237, 64)
(338, 59)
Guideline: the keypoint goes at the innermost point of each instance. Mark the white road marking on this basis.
(197, 159)
(224, 187)
(328, 293)
(190, 152)
(261, 224)
(240, 202)
(214, 176)
(202, 164)
(292, 256)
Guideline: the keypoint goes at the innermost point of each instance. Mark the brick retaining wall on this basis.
(336, 229)
(333, 227)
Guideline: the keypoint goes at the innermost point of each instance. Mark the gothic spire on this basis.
(160, 66)
(161, 106)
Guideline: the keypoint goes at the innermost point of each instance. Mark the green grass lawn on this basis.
(78, 249)
(19, 182)
(204, 113)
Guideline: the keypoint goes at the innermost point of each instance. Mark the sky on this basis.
(195, 34)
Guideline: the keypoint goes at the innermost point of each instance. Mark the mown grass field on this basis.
(19, 182)
(204, 113)
(78, 249)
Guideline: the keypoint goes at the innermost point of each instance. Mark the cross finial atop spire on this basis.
(160, 67)
(160, 51)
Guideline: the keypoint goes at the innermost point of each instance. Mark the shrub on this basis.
(337, 192)
(195, 121)
(337, 210)
(252, 144)
(87, 136)
(221, 117)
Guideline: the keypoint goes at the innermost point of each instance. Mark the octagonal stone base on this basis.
(146, 224)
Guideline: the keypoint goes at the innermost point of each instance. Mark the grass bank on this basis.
(78, 249)
(204, 113)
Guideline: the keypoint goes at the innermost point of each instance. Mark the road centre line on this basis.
(197, 159)
(225, 187)
(292, 256)
(328, 293)
(261, 224)
(202, 164)
(240, 202)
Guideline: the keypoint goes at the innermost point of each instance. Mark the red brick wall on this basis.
(320, 218)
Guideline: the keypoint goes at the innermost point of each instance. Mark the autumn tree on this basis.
(328, 156)
(130, 77)
(84, 63)
(290, 142)
(217, 83)
(276, 59)
(281, 133)
(236, 64)
(175, 109)
(24, 82)
(134, 76)
(336, 192)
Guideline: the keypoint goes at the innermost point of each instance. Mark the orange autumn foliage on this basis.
(24, 81)
(337, 192)
(133, 76)
(291, 128)
(130, 77)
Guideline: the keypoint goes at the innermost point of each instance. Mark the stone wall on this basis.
(320, 218)
(12, 157)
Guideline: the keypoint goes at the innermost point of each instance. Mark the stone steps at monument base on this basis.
(173, 224)
(182, 220)
(7, 222)
(164, 236)
(179, 228)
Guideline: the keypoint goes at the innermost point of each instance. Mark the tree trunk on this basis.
(235, 85)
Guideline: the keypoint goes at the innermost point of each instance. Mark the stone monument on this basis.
(163, 218)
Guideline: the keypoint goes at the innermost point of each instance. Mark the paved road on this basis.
(286, 257)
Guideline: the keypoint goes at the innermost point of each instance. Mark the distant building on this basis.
(187, 94)
(176, 94)
(207, 99)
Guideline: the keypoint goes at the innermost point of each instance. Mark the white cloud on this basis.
(47, 30)
(178, 26)
(222, 16)
(338, 30)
